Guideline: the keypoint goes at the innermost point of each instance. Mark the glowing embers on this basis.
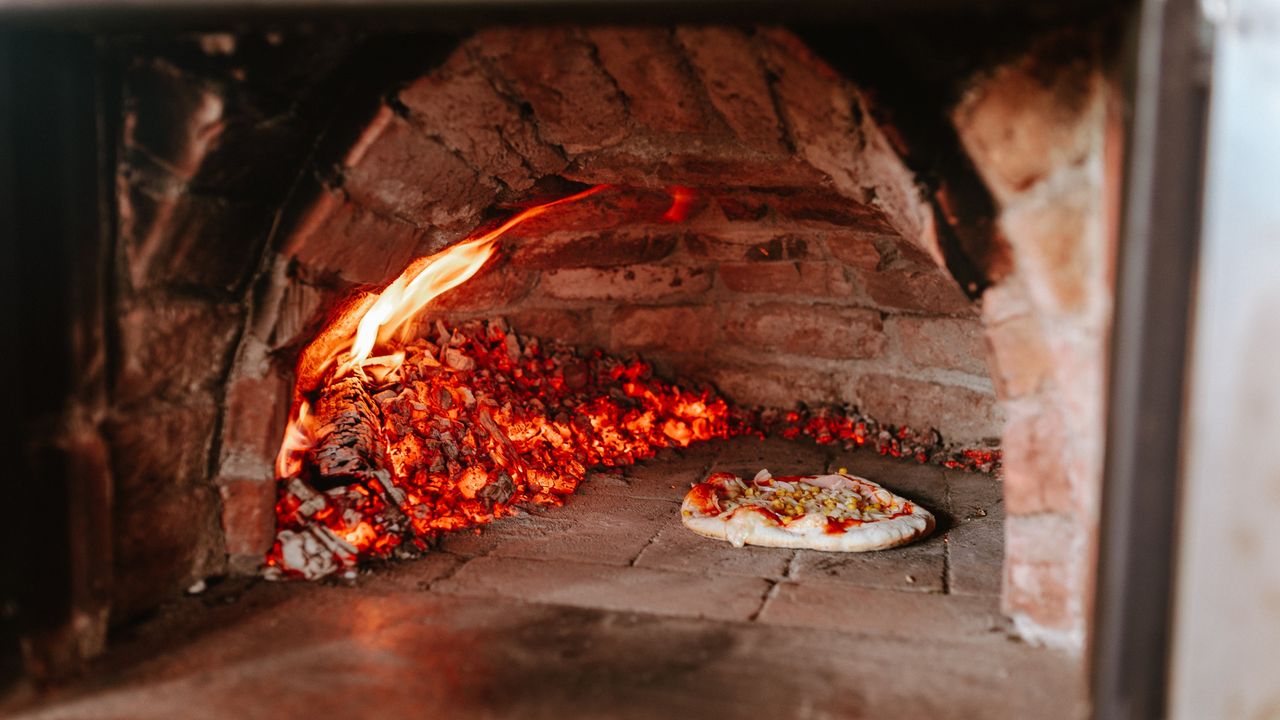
(467, 428)
(851, 429)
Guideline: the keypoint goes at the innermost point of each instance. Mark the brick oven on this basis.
(812, 267)
(885, 226)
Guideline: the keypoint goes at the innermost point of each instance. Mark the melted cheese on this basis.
(795, 501)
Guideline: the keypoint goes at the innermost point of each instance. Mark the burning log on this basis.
(349, 444)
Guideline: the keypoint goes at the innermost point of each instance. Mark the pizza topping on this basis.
(836, 526)
(832, 502)
(704, 499)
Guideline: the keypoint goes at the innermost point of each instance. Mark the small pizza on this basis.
(836, 513)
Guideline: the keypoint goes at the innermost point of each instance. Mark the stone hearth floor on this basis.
(609, 608)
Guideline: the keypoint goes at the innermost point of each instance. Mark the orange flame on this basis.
(298, 437)
(385, 314)
(427, 278)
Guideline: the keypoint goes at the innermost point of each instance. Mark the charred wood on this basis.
(350, 447)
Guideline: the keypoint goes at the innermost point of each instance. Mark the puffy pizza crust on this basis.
(747, 525)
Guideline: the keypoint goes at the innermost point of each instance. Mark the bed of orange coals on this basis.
(475, 424)
(850, 429)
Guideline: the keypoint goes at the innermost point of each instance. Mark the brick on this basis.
(460, 105)
(625, 589)
(1055, 243)
(497, 285)
(172, 348)
(412, 576)
(482, 540)
(616, 541)
(575, 103)
(925, 290)
(787, 278)
(1080, 376)
(697, 164)
(914, 568)
(741, 242)
(340, 237)
(593, 528)
(885, 613)
(248, 521)
(256, 159)
(678, 548)
(777, 385)
(669, 474)
(1043, 576)
(813, 104)
(859, 249)
(1043, 538)
(959, 413)
(175, 239)
(247, 113)
(830, 128)
(1021, 363)
(606, 482)
(1036, 474)
(746, 456)
(633, 283)
(173, 117)
(295, 320)
(1038, 113)
(973, 495)
(649, 71)
(680, 329)
(976, 555)
(608, 211)
(570, 326)
(160, 446)
(599, 509)
(811, 205)
(729, 69)
(165, 541)
(399, 172)
(1005, 301)
(826, 331)
(598, 249)
(256, 409)
(942, 343)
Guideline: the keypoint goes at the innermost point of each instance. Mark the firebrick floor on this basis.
(609, 608)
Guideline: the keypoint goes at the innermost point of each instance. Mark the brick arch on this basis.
(809, 229)
(706, 108)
